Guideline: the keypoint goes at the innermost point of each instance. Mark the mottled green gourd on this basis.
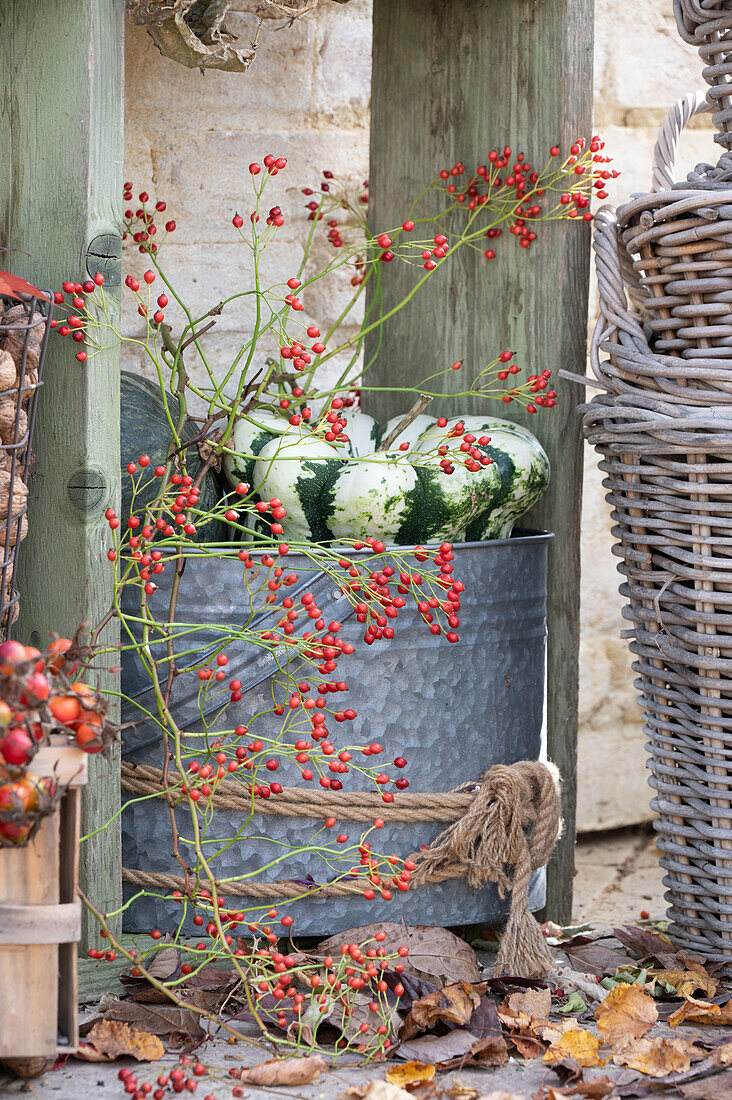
(349, 491)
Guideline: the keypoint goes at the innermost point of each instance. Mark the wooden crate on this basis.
(40, 924)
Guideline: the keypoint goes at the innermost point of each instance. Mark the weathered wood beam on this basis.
(60, 194)
(451, 81)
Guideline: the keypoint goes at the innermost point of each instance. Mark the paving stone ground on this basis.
(617, 876)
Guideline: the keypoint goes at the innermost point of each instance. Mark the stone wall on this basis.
(189, 139)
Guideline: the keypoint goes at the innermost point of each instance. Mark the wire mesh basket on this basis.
(24, 330)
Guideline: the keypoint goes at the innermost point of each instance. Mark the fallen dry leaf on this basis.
(484, 1020)
(524, 1029)
(715, 1088)
(85, 1052)
(457, 1046)
(701, 1012)
(435, 954)
(454, 1005)
(657, 1057)
(410, 1073)
(596, 1089)
(628, 1012)
(534, 1003)
(284, 1071)
(502, 1096)
(553, 1032)
(595, 958)
(382, 1090)
(115, 1039)
(425, 1090)
(688, 982)
(458, 1091)
(578, 1044)
(647, 945)
(722, 1056)
(159, 1019)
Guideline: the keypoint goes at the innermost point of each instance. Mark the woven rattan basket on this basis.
(662, 350)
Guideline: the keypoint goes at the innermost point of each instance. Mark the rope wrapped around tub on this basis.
(500, 829)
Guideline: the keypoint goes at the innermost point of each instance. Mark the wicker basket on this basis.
(662, 350)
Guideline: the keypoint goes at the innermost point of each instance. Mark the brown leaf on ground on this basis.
(534, 1003)
(553, 1031)
(502, 1096)
(458, 1091)
(212, 977)
(647, 945)
(85, 1052)
(456, 1048)
(284, 1071)
(159, 1019)
(701, 1012)
(628, 1012)
(380, 1090)
(596, 1089)
(524, 1028)
(164, 963)
(722, 1056)
(710, 1088)
(119, 1040)
(595, 958)
(426, 1090)
(484, 1020)
(578, 1044)
(688, 982)
(454, 1005)
(435, 954)
(410, 1073)
(657, 1057)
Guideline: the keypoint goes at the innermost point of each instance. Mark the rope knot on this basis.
(508, 832)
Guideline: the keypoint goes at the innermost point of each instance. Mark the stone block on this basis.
(641, 62)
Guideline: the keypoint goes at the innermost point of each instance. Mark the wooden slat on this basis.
(60, 188)
(28, 974)
(451, 81)
(45, 924)
(68, 971)
(62, 762)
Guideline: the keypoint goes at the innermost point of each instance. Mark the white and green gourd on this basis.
(349, 491)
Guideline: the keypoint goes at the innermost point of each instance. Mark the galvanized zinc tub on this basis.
(451, 710)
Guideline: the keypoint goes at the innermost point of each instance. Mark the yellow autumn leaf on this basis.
(690, 981)
(628, 1012)
(578, 1044)
(409, 1073)
(701, 1012)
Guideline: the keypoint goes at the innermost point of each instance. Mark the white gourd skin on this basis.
(411, 433)
(521, 487)
(286, 468)
(464, 493)
(363, 433)
(371, 497)
(235, 466)
(529, 482)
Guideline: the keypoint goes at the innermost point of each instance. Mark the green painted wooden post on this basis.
(60, 189)
(451, 81)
